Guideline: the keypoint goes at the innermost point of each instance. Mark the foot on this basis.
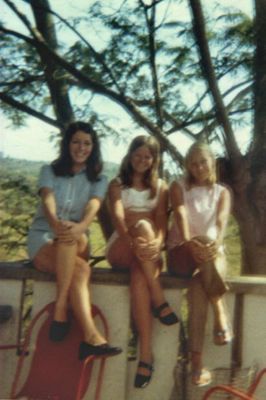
(169, 318)
(58, 330)
(101, 350)
(201, 377)
(222, 337)
(141, 380)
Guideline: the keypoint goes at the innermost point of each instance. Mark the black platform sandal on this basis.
(168, 319)
(141, 381)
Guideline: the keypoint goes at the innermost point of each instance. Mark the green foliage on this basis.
(115, 52)
(18, 202)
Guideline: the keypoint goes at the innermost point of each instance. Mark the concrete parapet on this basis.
(246, 302)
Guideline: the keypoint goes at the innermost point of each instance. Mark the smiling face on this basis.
(80, 148)
(141, 159)
(200, 166)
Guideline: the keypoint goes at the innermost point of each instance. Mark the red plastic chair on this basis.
(55, 373)
(249, 395)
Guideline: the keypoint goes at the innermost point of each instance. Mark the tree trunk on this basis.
(53, 73)
(249, 209)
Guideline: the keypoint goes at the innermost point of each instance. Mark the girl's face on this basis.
(80, 148)
(201, 166)
(141, 159)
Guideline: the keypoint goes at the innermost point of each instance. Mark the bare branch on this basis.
(150, 22)
(26, 109)
(208, 71)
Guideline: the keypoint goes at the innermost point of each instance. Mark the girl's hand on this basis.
(203, 252)
(147, 250)
(68, 231)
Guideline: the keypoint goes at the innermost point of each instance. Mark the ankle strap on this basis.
(161, 307)
(143, 364)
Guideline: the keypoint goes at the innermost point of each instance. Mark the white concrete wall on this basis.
(119, 376)
(215, 357)
(10, 293)
(165, 350)
(254, 339)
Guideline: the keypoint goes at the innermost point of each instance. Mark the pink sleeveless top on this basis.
(201, 203)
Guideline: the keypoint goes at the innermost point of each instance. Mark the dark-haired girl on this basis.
(138, 204)
(71, 191)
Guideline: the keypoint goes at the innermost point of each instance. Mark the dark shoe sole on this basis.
(104, 350)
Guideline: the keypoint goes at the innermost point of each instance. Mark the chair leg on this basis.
(226, 389)
(256, 382)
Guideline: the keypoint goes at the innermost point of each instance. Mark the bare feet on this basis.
(201, 377)
(222, 337)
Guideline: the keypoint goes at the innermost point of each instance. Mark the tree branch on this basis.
(150, 22)
(97, 87)
(209, 74)
(98, 57)
(26, 109)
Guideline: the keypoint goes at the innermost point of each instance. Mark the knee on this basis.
(144, 228)
(137, 278)
(82, 244)
(81, 271)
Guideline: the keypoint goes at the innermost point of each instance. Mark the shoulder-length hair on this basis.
(200, 147)
(150, 177)
(62, 166)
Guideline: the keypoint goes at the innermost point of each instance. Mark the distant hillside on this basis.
(30, 169)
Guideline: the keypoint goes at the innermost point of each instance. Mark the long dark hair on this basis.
(62, 166)
(151, 176)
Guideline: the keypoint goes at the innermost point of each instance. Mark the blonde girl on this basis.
(201, 208)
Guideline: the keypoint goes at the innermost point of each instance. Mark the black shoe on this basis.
(141, 381)
(168, 319)
(103, 350)
(58, 330)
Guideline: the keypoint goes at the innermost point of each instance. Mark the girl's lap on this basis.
(120, 255)
(180, 262)
(45, 258)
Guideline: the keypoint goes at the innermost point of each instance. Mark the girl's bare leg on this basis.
(141, 309)
(151, 269)
(121, 256)
(78, 290)
(81, 304)
(197, 318)
(65, 263)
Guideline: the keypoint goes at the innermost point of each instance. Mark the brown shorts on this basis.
(180, 262)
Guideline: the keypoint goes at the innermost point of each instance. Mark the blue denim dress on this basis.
(72, 194)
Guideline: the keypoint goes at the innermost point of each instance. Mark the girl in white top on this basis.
(201, 208)
(138, 204)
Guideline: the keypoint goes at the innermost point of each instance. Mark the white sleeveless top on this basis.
(201, 203)
(139, 201)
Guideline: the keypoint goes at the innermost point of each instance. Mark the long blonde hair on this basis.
(200, 147)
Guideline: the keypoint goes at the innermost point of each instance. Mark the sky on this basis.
(36, 140)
